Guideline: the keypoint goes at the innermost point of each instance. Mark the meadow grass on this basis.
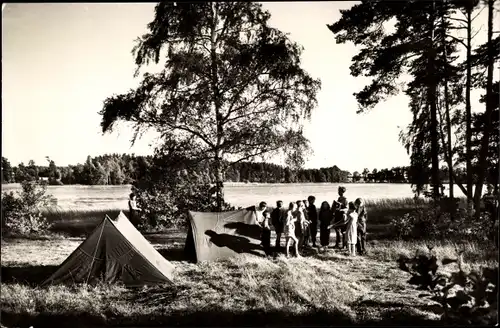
(320, 289)
(80, 222)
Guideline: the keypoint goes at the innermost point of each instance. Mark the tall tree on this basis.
(468, 8)
(32, 171)
(54, 174)
(7, 172)
(387, 52)
(479, 122)
(490, 101)
(365, 174)
(450, 98)
(232, 85)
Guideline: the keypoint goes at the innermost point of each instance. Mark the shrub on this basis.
(21, 213)
(170, 187)
(463, 298)
(166, 206)
(432, 222)
(401, 226)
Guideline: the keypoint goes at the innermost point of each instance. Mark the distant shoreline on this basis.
(227, 184)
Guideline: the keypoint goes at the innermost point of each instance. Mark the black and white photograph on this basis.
(249, 164)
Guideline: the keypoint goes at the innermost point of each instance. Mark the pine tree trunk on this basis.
(489, 110)
(448, 121)
(468, 122)
(431, 98)
(219, 187)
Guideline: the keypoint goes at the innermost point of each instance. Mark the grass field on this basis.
(320, 289)
(77, 223)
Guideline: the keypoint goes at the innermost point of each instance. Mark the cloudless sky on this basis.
(60, 61)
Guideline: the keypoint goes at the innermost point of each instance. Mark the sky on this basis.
(60, 61)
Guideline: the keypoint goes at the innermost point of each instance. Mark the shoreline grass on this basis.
(79, 222)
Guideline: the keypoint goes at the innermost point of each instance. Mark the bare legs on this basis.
(289, 241)
(352, 249)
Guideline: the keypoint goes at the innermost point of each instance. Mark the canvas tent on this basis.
(114, 251)
(213, 236)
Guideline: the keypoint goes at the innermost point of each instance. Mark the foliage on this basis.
(402, 226)
(170, 187)
(464, 298)
(418, 39)
(7, 173)
(124, 169)
(478, 128)
(21, 213)
(435, 222)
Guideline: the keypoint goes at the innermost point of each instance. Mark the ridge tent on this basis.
(218, 235)
(114, 251)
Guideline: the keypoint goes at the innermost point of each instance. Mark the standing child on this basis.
(278, 217)
(266, 234)
(340, 208)
(289, 229)
(259, 213)
(312, 214)
(302, 225)
(133, 210)
(306, 225)
(325, 218)
(362, 217)
(351, 229)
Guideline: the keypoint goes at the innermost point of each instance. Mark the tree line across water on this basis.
(120, 169)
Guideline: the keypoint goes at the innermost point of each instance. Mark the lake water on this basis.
(115, 197)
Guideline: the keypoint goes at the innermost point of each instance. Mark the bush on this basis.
(433, 222)
(166, 206)
(463, 298)
(401, 226)
(21, 213)
(169, 188)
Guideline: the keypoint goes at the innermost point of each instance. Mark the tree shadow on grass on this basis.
(30, 275)
(404, 317)
(395, 313)
(212, 317)
(434, 308)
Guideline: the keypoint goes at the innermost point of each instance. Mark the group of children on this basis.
(299, 224)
